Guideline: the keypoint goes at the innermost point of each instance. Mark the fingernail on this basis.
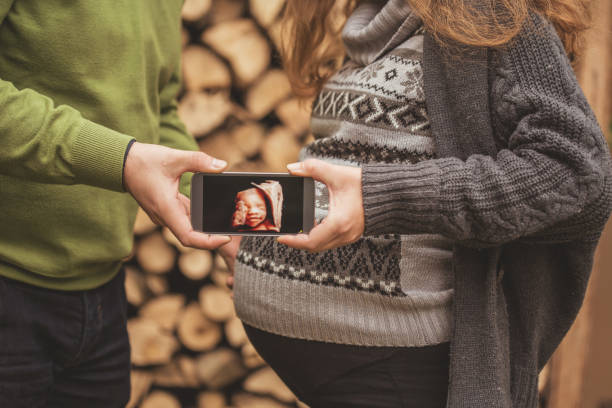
(218, 164)
(294, 166)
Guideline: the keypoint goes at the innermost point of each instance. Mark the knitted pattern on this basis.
(371, 111)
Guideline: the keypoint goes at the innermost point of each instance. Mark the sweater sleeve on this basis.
(551, 183)
(54, 144)
(172, 130)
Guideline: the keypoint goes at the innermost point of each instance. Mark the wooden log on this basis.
(196, 264)
(279, 149)
(265, 381)
(164, 310)
(220, 145)
(295, 115)
(251, 357)
(243, 45)
(202, 112)
(140, 384)
(143, 224)
(220, 262)
(154, 254)
(267, 93)
(244, 400)
(204, 70)
(249, 166)
(150, 343)
(195, 331)
(179, 373)
(226, 10)
(160, 399)
(188, 369)
(266, 11)
(234, 332)
(220, 272)
(210, 399)
(248, 138)
(135, 287)
(195, 10)
(219, 277)
(216, 303)
(184, 37)
(275, 32)
(157, 284)
(220, 368)
(169, 376)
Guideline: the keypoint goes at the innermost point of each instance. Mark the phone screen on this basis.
(267, 204)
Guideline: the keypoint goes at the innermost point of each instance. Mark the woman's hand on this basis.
(152, 174)
(344, 223)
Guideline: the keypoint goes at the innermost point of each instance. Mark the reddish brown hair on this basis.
(312, 48)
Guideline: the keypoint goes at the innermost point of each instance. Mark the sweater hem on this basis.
(90, 280)
(338, 315)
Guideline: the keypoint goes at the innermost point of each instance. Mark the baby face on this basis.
(255, 203)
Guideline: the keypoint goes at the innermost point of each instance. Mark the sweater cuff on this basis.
(125, 155)
(98, 157)
(401, 198)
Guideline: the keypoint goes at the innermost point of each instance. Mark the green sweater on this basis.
(77, 83)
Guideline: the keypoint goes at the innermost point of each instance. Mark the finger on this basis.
(177, 220)
(229, 282)
(317, 169)
(198, 162)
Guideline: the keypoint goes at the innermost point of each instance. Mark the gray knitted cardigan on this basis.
(523, 185)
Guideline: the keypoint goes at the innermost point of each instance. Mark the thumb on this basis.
(199, 162)
(317, 169)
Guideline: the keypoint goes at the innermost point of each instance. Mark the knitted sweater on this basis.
(78, 82)
(388, 290)
(523, 184)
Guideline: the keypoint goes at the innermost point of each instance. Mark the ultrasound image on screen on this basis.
(253, 204)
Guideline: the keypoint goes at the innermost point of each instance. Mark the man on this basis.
(87, 91)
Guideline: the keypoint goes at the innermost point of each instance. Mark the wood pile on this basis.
(188, 347)
(237, 101)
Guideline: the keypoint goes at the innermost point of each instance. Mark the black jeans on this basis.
(327, 375)
(63, 349)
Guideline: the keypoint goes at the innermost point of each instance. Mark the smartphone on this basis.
(252, 203)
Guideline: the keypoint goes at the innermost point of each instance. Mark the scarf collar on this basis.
(377, 26)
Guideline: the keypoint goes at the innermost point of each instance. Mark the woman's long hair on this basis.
(312, 50)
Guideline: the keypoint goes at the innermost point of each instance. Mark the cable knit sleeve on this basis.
(551, 183)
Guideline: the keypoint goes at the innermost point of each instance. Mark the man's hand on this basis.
(152, 174)
(344, 223)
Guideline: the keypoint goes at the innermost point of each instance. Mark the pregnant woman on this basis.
(464, 184)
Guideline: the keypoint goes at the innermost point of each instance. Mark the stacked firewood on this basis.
(188, 347)
(237, 100)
